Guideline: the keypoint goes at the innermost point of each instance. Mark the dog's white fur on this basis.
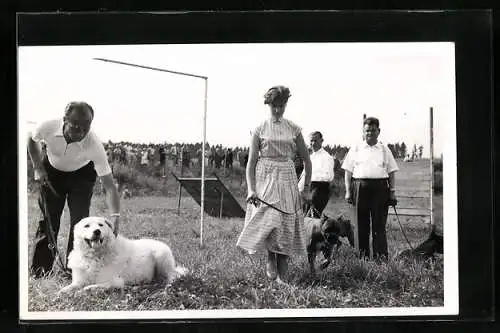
(101, 260)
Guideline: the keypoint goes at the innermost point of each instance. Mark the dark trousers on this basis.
(74, 187)
(371, 198)
(320, 196)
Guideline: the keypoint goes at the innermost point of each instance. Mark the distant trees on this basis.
(400, 150)
(414, 152)
(420, 151)
(393, 150)
(337, 151)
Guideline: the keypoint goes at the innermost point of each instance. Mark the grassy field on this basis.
(222, 277)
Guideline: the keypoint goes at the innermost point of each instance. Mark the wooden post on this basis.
(164, 175)
(221, 203)
(180, 185)
(431, 144)
(181, 159)
(179, 202)
(224, 163)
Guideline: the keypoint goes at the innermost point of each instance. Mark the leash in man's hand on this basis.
(47, 183)
(393, 204)
(48, 225)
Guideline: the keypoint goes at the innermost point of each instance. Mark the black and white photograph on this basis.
(237, 180)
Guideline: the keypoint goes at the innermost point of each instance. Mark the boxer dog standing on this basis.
(322, 235)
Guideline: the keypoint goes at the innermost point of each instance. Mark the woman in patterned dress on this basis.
(271, 177)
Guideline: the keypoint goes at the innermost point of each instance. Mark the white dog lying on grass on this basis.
(101, 260)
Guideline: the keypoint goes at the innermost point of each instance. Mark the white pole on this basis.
(203, 163)
(432, 167)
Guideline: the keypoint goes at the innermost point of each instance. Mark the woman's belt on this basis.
(276, 158)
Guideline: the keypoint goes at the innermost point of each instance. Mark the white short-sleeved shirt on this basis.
(365, 161)
(71, 157)
(322, 167)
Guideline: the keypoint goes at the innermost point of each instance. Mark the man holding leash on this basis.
(75, 157)
(370, 171)
(323, 167)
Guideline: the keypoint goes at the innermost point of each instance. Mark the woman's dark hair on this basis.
(80, 106)
(371, 121)
(277, 96)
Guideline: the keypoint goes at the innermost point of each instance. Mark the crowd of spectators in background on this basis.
(146, 156)
(142, 156)
(158, 159)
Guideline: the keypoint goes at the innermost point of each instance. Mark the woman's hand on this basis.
(306, 194)
(252, 198)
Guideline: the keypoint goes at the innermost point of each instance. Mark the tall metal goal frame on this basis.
(205, 79)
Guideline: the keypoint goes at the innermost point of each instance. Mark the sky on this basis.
(332, 86)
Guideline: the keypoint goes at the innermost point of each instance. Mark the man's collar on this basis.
(60, 133)
(317, 151)
(376, 145)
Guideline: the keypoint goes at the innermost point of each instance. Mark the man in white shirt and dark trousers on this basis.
(75, 157)
(322, 175)
(370, 186)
